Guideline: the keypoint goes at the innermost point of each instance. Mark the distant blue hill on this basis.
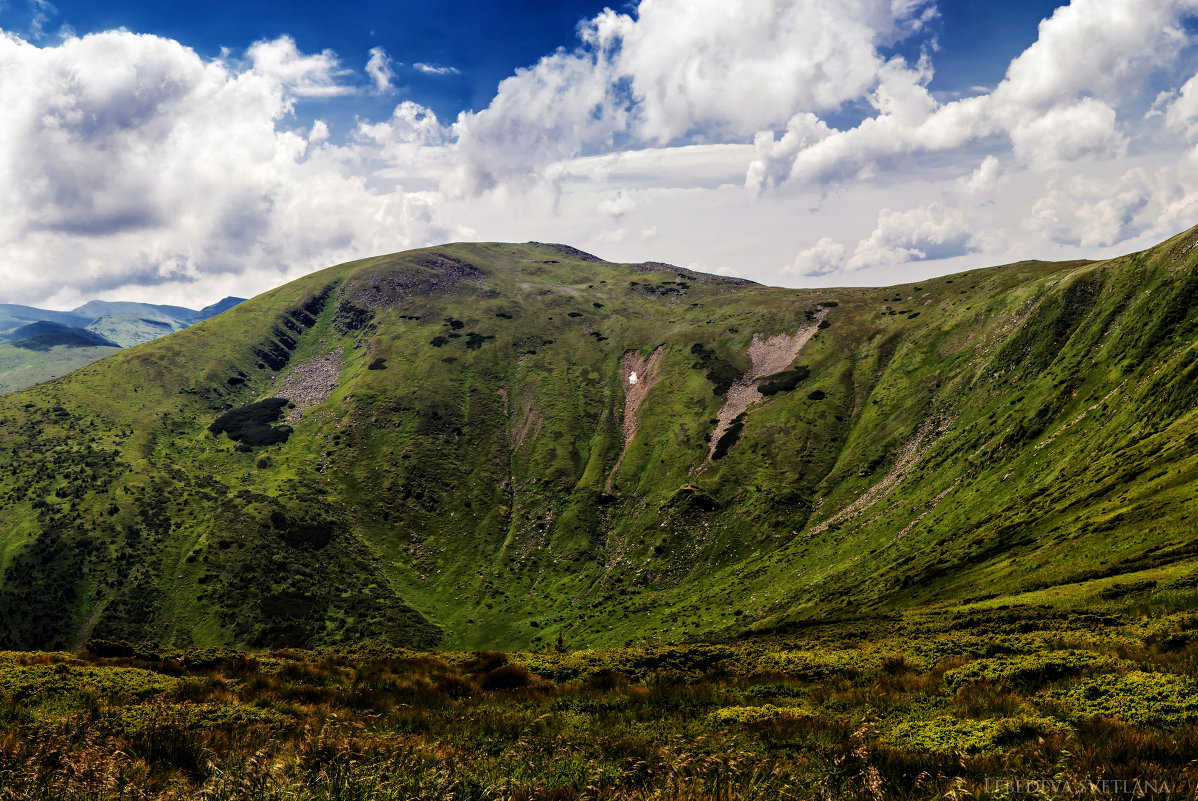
(36, 344)
(45, 334)
(13, 316)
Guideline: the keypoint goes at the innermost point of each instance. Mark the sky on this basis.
(180, 152)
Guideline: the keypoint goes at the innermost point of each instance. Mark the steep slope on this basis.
(435, 446)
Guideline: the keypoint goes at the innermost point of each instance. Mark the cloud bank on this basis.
(710, 133)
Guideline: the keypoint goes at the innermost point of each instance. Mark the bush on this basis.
(730, 437)
(1026, 669)
(250, 426)
(719, 372)
(784, 381)
(1160, 699)
(757, 714)
(948, 735)
(505, 677)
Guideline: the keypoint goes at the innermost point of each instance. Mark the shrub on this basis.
(948, 735)
(475, 340)
(784, 381)
(719, 372)
(252, 425)
(757, 714)
(1026, 669)
(729, 437)
(1161, 699)
(505, 677)
(378, 364)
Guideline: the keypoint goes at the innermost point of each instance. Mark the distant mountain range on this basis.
(39, 344)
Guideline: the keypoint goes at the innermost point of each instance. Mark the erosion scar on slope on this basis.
(310, 383)
(638, 374)
(769, 356)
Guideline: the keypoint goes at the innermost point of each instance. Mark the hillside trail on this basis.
(769, 356)
(638, 375)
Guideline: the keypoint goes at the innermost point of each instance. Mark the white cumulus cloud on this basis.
(925, 232)
(128, 160)
(378, 67)
(731, 134)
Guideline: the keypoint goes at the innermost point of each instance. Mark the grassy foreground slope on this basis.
(454, 465)
(1021, 702)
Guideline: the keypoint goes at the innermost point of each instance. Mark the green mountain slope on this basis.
(447, 446)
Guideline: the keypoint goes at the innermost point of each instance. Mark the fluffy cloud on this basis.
(703, 125)
(730, 69)
(825, 257)
(1056, 104)
(984, 178)
(698, 71)
(301, 75)
(924, 232)
(127, 159)
(378, 67)
(539, 115)
(1102, 48)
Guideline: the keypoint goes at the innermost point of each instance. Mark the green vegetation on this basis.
(251, 425)
(1027, 441)
(867, 708)
(720, 373)
(785, 381)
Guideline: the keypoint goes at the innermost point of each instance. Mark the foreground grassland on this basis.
(941, 703)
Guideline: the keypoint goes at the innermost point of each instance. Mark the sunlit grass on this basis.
(890, 717)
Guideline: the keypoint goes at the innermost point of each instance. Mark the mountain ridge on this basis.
(105, 326)
(449, 459)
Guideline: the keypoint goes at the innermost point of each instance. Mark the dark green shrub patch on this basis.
(729, 437)
(251, 425)
(719, 372)
(474, 340)
(784, 381)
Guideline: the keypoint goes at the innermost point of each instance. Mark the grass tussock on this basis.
(837, 711)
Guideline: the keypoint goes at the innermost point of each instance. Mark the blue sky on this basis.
(180, 151)
(484, 41)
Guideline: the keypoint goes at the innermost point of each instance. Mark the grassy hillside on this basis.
(452, 460)
(22, 366)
